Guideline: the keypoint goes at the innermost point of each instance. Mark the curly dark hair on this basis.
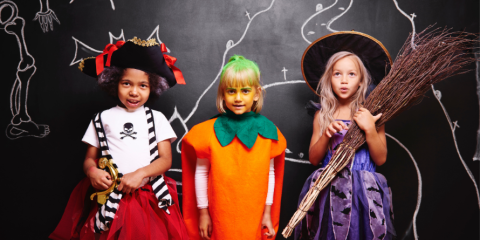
(109, 78)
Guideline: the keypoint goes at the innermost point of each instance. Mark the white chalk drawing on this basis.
(111, 2)
(320, 9)
(121, 37)
(453, 126)
(284, 70)
(438, 96)
(419, 190)
(248, 15)
(46, 17)
(329, 23)
(476, 157)
(21, 124)
(410, 17)
(112, 40)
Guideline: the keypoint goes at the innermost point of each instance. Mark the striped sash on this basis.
(106, 212)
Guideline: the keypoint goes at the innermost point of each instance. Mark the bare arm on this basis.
(100, 179)
(319, 142)
(267, 222)
(132, 181)
(377, 145)
(376, 140)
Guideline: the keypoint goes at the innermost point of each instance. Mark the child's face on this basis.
(133, 88)
(345, 78)
(240, 99)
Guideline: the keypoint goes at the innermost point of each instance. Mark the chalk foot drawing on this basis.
(45, 18)
(21, 124)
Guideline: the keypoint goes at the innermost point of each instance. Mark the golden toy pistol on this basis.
(103, 196)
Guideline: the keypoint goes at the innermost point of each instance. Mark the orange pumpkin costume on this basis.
(237, 182)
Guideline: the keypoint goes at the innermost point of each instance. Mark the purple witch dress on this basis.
(356, 205)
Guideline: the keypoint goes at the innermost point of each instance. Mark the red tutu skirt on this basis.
(138, 216)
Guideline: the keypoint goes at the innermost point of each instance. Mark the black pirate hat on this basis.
(135, 53)
(373, 54)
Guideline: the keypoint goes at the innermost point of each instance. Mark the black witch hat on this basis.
(147, 56)
(373, 54)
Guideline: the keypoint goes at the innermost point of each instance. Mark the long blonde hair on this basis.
(328, 99)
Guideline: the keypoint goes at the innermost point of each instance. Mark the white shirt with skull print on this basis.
(127, 136)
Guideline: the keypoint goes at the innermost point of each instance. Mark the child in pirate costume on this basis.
(133, 143)
(232, 164)
(342, 68)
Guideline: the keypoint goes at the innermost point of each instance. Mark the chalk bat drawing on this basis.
(112, 39)
(21, 124)
(111, 2)
(45, 18)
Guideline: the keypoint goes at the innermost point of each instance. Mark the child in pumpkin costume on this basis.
(232, 164)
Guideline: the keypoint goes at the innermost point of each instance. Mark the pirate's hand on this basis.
(131, 181)
(100, 179)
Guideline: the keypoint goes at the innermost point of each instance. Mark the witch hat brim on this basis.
(135, 53)
(373, 54)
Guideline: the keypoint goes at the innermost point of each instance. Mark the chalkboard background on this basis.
(38, 173)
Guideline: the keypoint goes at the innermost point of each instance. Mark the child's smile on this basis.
(133, 88)
(240, 99)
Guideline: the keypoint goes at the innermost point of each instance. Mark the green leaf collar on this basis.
(246, 127)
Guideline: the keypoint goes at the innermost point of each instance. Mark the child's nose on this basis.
(237, 97)
(134, 91)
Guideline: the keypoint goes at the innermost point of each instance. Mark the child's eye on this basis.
(336, 74)
(352, 74)
(230, 91)
(246, 91)
(126, 83)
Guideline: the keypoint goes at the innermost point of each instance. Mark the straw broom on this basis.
(436, 55)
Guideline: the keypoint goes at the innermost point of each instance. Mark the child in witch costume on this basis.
(342, 68)
(134, 142)
(232, 164)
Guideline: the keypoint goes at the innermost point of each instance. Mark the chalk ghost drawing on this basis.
(21, 124)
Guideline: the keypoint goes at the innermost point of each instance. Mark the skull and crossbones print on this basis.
(128, 131)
